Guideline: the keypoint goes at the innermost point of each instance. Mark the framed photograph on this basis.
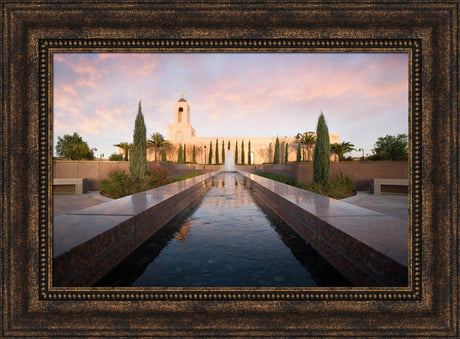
(239, 99)
(211, 77)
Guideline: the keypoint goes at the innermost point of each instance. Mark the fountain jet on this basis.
(229, 165)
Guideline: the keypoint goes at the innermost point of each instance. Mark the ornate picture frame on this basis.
(33, 31)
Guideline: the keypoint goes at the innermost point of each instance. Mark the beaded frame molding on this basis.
(34, 30)
(411, 47)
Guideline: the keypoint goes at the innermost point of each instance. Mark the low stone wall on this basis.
(96, 170)
(366, 247)
(361, 172)
(88, 243)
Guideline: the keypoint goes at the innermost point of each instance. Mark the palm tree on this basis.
(307, 140)
(125, 146)
(342, 148)
(157, 141)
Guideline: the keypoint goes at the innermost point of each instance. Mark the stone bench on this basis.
(378, 183)
(81, 184)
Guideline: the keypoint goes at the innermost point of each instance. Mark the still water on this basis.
(227, 241)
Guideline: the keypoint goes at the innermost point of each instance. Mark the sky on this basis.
(363, 96)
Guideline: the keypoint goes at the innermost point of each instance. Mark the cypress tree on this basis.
(286, 154)
(210, 153)
(242, 152)
(249, 152)
(138, 159)
(223, 152)
(299, 153)
(184, 157)
(217, 152)
(180, 156)
(236, 152)
(321, 153)
(163, 155)
(228, 146)
(194, 155)
(276, 158)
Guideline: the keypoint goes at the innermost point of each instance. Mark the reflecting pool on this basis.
(227, 241)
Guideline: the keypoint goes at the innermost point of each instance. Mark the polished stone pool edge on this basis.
(88, 243)
(366, 247)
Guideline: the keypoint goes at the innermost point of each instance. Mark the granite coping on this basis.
(73, 230)
(386, 234)
(77, 227)
(132, 205)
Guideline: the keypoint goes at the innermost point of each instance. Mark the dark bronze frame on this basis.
(33, 31)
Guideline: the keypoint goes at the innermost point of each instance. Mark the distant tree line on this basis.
(73, 147)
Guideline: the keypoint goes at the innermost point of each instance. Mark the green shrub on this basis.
(116, 157)
(158, 177)
(341, 187)
(186, 176)
(279, 178)
(120, 183)
(338, 188)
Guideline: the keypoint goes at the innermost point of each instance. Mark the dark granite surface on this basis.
(137, 203)
(112, 230)
(79, 226)
(383, 233)
(72, 230)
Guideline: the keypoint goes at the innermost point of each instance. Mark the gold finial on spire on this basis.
(182, 94)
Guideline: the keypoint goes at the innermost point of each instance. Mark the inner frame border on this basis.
(47, 47)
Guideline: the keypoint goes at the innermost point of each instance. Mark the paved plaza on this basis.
(395, 205)
(66, 203)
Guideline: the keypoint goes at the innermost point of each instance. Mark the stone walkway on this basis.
(394, 205)
(66, 203)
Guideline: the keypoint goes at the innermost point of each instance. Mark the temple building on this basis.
(180, 132)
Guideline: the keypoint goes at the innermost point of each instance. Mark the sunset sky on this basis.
(363, 96)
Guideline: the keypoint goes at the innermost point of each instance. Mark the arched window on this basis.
(179, 136)
(179, 115)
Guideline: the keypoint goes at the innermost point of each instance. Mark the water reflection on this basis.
(227, 241)
(181, 235)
